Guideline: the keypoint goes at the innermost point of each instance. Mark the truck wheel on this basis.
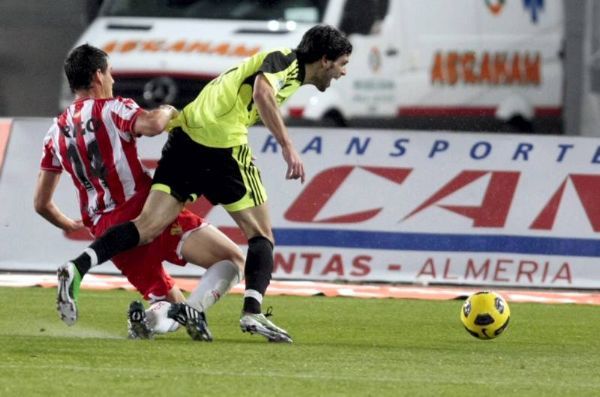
(333, 118)
(519, 123)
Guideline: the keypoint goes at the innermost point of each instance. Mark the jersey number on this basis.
(95, 161)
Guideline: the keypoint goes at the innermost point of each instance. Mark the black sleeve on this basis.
(276, 61)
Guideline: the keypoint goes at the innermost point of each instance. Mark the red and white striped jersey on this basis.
(93, 140)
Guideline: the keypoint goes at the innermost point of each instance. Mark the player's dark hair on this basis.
(81, 64)
(323, 40)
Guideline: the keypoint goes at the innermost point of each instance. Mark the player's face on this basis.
(332, 70)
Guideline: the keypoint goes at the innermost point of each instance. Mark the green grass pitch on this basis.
(342, 347)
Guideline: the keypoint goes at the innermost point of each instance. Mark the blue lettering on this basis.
(596, 158)
(438, 146)
(487, 148)
(355, 142)
(270, 143)
(398, 144)
(563, 150)
(315, 144)
(524, 149)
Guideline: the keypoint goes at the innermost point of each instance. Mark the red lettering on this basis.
(500, 74)
(309, 261)
(198, 46)
(588, 191)
(485, 75)
(280, 263)
(447, 271)
(177, 46)
(110, 46)
(532, 69)
(496, 202)
(452, 64)
(468, 65)
(323, 186)
(545, 274)
(360, 265)
(437, 71)
(501, 269)
(152, 45)
(428, 269)
(335, 265)
(564, 273)
(545, 219)
(128, 45)
(526, 269)
(221, 49)
(515, 75)
(471, 271)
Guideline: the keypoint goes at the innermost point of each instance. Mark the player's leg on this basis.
(143, 269)
(255, 222)
(157, 313)
(145, 323)
(238, 187)
(159, 211)
(256, 225)
(223, 260)
(204, 245)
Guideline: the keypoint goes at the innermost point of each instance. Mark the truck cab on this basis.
(462, 64)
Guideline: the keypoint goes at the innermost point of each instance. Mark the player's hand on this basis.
(295, 166)
(73, 226)
(170, 108)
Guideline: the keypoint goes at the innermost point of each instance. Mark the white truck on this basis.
(443, 64)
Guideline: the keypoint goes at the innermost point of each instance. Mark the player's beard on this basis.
(323, 84)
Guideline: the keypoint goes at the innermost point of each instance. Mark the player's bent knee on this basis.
(237, 258)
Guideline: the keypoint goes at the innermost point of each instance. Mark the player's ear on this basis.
(326, 63)
(98, 77)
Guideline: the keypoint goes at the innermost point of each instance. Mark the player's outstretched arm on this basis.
(269, 113)
(45, 206)
(153, 122)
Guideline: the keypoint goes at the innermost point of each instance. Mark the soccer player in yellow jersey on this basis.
(207, 153)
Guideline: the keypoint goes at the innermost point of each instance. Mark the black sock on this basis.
(115, 240)
(258, 269)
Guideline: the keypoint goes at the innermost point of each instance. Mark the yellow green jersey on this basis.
(221, 114)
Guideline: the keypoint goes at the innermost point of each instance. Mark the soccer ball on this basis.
(485, 314)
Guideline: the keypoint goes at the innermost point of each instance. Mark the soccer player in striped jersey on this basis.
(207, 153)
(94, 141)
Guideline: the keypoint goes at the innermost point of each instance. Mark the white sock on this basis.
(93, 257)
(216, 282)
(158, 319)
(251, 293)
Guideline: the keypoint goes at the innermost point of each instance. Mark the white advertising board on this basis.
(389, 206)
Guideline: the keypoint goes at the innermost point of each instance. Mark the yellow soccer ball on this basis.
(485, 314)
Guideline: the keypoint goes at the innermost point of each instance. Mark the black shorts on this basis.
(226, 176)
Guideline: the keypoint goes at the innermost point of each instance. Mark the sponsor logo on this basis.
(486, 68)
(495, 6)
(180, 47)
(534, 7)
(176, 229)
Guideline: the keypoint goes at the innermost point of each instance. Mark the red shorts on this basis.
(143, 265)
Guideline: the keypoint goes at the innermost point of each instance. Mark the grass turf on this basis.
(342, 347)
